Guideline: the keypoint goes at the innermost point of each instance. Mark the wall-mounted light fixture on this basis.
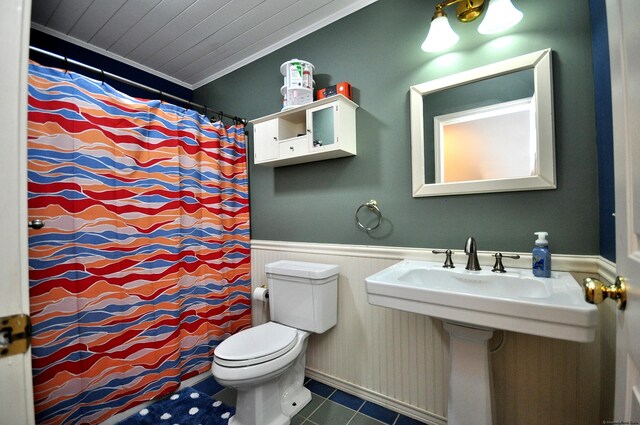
(500, 15)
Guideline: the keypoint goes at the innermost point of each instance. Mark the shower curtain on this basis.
(142, 267)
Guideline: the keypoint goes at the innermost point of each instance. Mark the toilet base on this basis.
(273, 416)
(293, 403)
(274, 401)
(260, 406)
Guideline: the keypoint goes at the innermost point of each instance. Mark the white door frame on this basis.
(16, 385)
(624, 49)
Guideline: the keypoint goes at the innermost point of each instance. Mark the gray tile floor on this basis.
(328, 406)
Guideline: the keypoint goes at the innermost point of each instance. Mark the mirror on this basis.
(489, 129)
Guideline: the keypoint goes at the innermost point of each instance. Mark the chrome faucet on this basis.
(472, 252)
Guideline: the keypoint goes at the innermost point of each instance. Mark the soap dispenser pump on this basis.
(541, 256)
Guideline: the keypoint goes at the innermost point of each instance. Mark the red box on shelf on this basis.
(343, 88)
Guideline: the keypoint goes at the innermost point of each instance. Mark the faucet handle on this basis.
(448, 264)
(498, 267)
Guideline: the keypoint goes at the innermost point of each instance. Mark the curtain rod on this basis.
(118, 78)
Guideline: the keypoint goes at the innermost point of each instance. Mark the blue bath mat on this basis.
(186, 407)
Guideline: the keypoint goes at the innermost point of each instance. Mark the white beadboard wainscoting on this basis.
(401, 359)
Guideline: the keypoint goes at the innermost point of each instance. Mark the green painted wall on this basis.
(377, 50)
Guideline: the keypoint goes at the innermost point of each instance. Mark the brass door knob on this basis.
(596, 291)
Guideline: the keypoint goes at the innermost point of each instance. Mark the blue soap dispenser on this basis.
(541, 256)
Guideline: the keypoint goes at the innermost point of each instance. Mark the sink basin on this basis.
(515, 301)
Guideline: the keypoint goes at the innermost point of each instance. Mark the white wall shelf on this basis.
(320, 130)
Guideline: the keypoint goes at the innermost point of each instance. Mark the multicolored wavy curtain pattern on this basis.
(143, 265)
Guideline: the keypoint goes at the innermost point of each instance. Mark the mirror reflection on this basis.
(494, 142)
(484, 130)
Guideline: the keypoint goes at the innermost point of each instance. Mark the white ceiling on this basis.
(189, 42)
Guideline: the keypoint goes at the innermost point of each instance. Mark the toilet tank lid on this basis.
(302, 269)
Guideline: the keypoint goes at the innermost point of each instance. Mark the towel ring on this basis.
(372, 205)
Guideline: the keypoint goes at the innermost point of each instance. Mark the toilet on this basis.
(266, 363)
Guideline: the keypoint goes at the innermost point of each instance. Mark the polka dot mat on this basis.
(186, 407)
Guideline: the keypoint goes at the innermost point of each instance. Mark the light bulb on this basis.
(501, 15)
(441, 36)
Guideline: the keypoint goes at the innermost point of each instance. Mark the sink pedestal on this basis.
(470, 377)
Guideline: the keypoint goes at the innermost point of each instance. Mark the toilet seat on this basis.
(255, 345)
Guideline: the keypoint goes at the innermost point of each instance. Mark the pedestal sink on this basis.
(472, 305)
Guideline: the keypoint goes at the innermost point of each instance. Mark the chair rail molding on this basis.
(561, 262)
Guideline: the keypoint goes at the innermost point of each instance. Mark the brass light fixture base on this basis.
(469, 10)
(466, 11)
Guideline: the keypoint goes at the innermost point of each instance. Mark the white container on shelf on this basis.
(298, 83)
(297, 74)
(295, 97)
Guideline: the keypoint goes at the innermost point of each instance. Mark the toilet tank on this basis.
(303, 295)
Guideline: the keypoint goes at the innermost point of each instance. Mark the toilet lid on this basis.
(255, 345)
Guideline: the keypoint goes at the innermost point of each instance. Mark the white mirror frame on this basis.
(544, 178)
